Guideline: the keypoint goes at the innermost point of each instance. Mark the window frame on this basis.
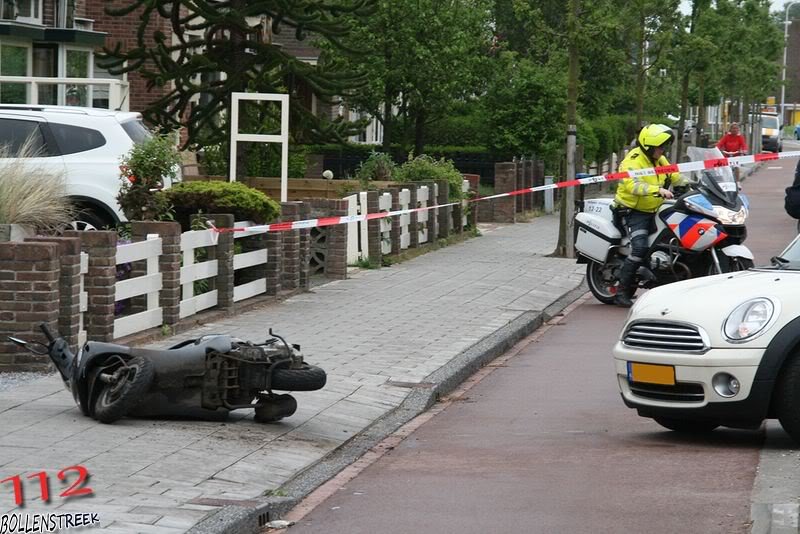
(36, 7)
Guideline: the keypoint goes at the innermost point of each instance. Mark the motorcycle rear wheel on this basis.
(600, 288)
(306, 378)
(115, 401)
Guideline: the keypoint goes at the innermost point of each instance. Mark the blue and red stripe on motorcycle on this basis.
(695, 233)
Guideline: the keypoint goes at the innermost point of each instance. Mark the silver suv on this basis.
(86, 144)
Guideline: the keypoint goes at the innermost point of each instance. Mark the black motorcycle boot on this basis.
(626, 287)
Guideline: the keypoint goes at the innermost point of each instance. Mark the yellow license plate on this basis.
(651, 374)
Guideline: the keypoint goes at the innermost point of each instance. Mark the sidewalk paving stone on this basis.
(377, 329)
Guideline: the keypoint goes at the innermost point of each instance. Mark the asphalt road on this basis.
(544, 444)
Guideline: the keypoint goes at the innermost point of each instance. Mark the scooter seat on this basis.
(190, 348)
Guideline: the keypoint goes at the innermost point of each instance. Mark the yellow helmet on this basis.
(654, 136)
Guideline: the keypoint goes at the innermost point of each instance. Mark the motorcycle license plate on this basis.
(651, 374)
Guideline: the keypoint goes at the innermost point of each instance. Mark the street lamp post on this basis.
(785, 48)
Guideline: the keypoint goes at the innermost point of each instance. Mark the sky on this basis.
(777, 5)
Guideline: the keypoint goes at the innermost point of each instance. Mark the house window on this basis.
(45, 65)
(13, 62)
(78, 65)
(28, 11)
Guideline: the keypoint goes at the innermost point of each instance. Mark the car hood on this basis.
(708, 301)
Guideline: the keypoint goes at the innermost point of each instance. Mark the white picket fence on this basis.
(249, 259)
(193, 271)
(148, 284)
(358, 237)
(83, 299)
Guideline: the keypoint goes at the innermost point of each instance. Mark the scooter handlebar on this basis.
(47, 333)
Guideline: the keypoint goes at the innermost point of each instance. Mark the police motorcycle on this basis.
(202, 378)
(699, 233)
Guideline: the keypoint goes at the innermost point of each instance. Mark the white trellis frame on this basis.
(149, 284)
(283, 138)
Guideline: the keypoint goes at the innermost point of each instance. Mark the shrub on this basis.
(243, 202)
(379, 166)
(29, 195)
(143, 170)
(425, 168)
(262, 160)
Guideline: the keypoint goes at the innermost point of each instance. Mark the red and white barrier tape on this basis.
(690, 166)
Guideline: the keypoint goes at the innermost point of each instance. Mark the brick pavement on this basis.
(396, 324)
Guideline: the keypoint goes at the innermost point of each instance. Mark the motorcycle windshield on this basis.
(719, 183)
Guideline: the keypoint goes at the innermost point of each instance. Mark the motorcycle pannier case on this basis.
(595, 236)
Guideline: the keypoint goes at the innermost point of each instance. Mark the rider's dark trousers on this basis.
(638, 224)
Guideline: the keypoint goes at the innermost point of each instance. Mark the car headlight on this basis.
(748, 320)
(726, 216)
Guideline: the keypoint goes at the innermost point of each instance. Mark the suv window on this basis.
(137, 131)
(72, 139)
(14, 133)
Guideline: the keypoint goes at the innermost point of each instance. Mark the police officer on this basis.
(639, 198)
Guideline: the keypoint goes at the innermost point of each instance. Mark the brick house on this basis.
(48, 56)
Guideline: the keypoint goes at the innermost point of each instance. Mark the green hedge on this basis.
(425, 168)
(243, 202)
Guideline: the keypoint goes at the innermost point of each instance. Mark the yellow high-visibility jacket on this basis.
(641, 192)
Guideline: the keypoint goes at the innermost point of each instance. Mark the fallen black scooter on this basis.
(198, 378)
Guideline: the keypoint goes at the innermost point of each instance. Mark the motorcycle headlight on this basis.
(748, 320)
(726, 216)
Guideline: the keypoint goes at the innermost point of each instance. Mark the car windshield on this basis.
(137, 131)
(768, 121)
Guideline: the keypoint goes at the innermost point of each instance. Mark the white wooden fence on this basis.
(83, 299)
(249, 259)
(148, 284)
(193, 271)
(358, 237)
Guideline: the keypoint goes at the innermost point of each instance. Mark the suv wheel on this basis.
(89, 219)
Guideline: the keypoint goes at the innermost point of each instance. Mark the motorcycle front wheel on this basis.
(601, 282)
(731, 265)
(123, 389)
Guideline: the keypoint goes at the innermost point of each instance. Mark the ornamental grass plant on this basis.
(30, 195)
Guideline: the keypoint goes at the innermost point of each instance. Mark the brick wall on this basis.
(29, 296)
(123, 30)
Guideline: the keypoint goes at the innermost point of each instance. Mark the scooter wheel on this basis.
(306, 378)
(270, 409)
(115, 401)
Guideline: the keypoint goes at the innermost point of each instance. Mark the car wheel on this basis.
(88, 219)
(787, 397)
(686, 426)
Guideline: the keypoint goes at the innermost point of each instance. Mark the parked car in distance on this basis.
(771, 132)
(797, 131)
(717, 351)
(86, 144)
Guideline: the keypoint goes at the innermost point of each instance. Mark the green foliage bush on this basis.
(379, 166)
(243, 202)
(142, 172)
(425, 168)
(262, 160)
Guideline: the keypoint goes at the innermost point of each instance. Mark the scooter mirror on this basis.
(33, 346)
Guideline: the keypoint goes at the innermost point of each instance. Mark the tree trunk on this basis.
(684, 109)
(701, 103)
(419, 132)
(388, 120)
(566, 239)
(235, 59)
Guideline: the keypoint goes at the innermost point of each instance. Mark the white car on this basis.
(86, 144)
(717, 351)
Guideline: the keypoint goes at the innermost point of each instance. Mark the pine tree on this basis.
(209, 37)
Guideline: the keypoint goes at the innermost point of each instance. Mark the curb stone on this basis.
(252, 518)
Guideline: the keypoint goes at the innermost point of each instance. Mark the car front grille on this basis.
(680, 392)
(664, 336)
